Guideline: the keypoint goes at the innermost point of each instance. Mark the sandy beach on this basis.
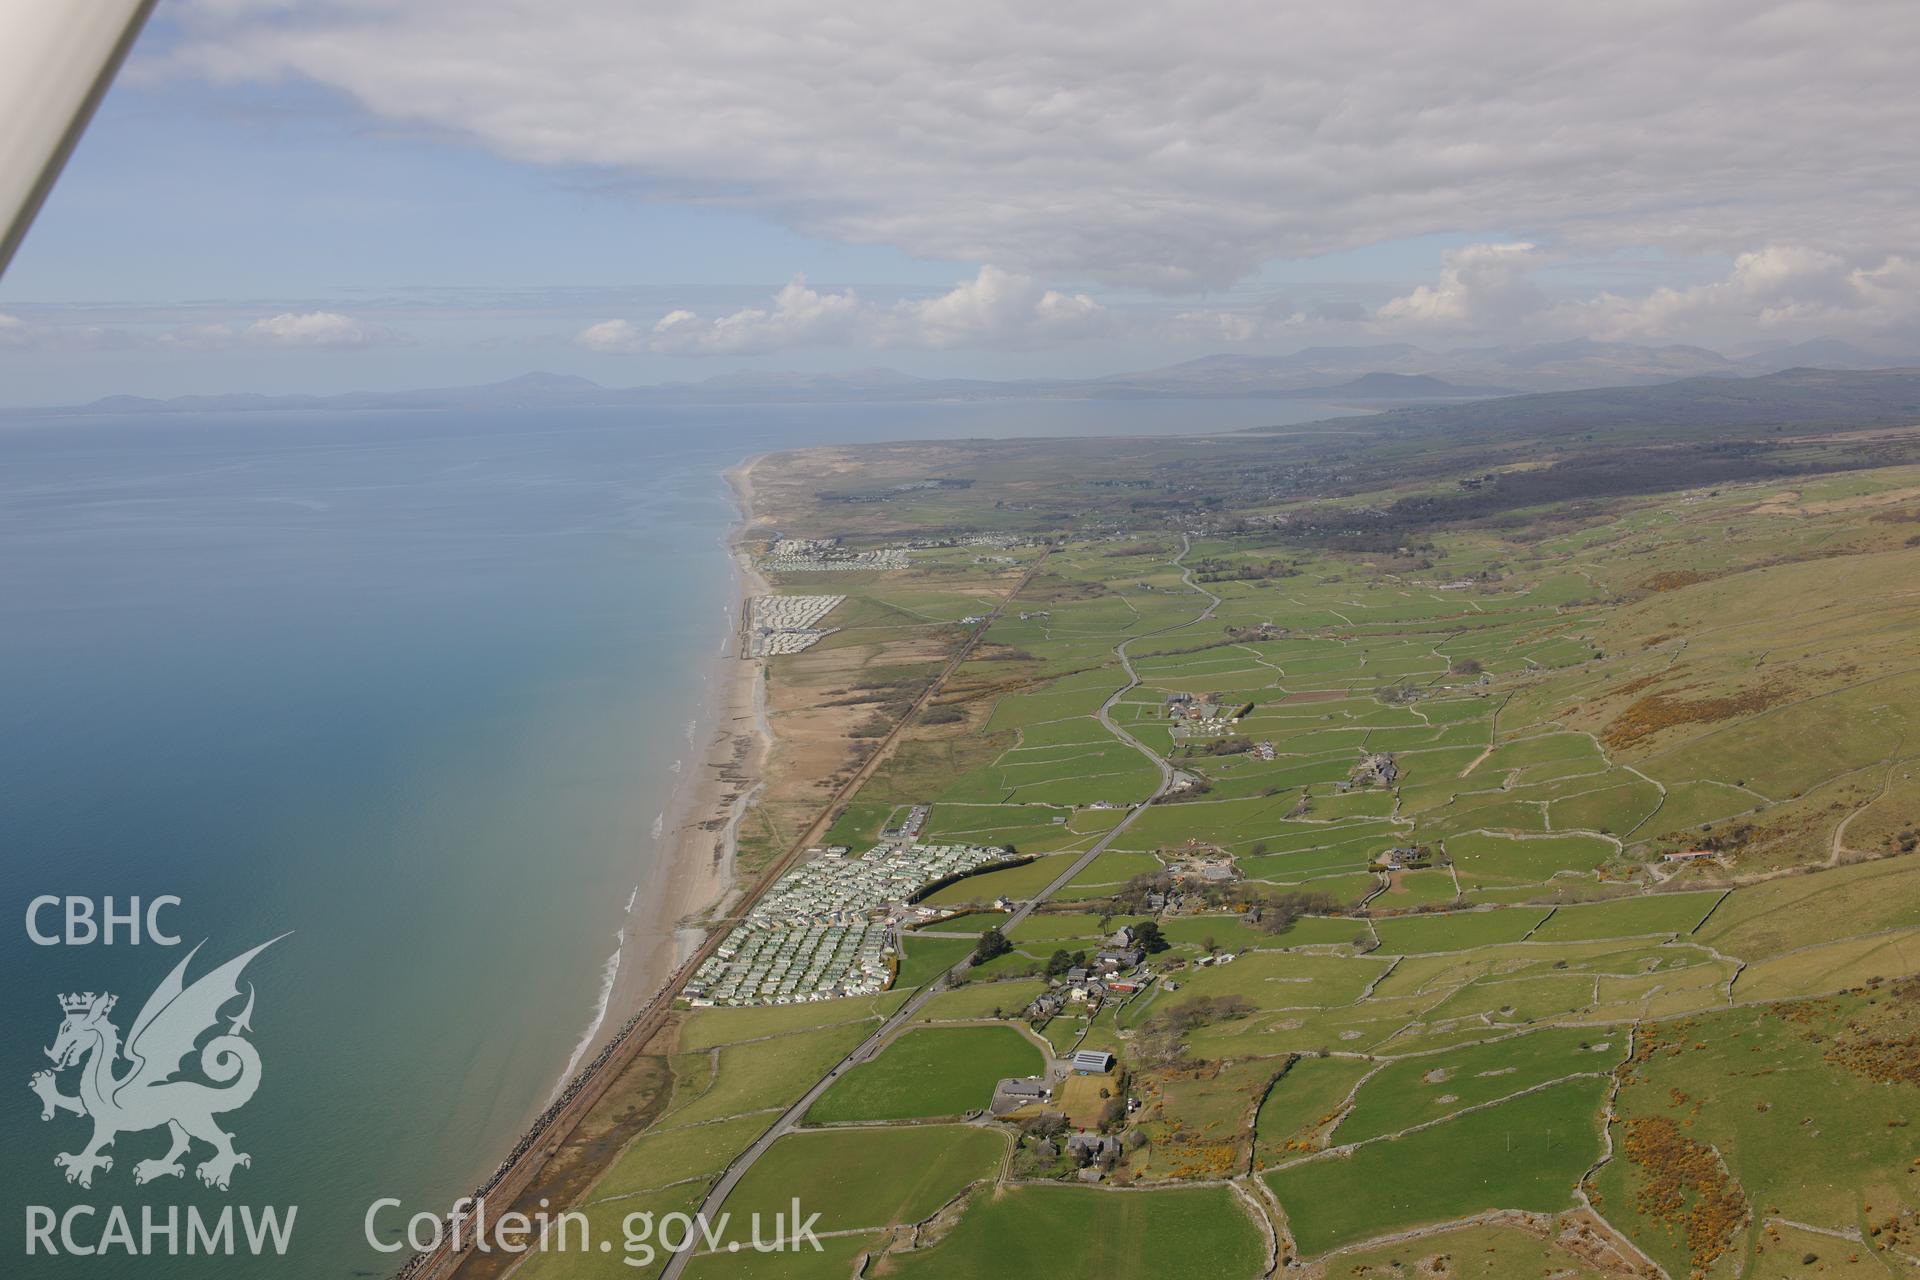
(693, 874)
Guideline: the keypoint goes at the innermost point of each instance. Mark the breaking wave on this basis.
(609, 973)
(609, 976)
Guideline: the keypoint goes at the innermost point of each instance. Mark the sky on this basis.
(344, 194)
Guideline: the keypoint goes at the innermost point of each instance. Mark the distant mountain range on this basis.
(1557, 366)
(1809, 401)
(1369, 376)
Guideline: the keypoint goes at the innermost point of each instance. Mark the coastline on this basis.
(672, 921)
(692, 877)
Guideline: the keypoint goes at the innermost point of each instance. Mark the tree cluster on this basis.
(1279, 913)
(992, 945)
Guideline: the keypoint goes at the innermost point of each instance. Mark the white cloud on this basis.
(17, 334)
(799, 316)
(1783, 290)
(1482, 292)
(1276, 321)
(1481, 287)
(197, 337)
(617, 337)
(1151, 145)
(327, 330)
(994, 309)
(311, 330)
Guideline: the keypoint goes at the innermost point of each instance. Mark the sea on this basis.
(404, 693)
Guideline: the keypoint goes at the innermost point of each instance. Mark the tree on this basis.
(1278, 913)
(1048, 1124)
(1147, 934)
(1058, 963)
(992, 943)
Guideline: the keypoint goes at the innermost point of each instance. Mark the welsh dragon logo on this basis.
(145, 1095)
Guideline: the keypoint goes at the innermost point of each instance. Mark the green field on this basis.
(863, 1177)
(668, 1156)
(835, 1260)
(608, 1220)
(1013, 882)
(1526, 1153)
(1477, 1253)
(1449, 697)
(1085, 1234)
(983, 1000)
(1419, 1090)
(1486, 859)
(1302, 1101)
(1456, 931)
(929, 1071)
(923, 958)
(1674, 913)
(707, 1028)
(1807, 1107)
(758, 1075)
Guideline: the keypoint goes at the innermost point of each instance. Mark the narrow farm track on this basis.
(791, 1117)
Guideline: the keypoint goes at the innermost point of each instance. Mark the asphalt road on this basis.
(710, 1207)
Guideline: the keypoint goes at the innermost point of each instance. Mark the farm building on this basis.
(1012, 1095)
(1088, 1147)
(1092, 1062)
(1691, 855)
(1405, 857)
(1377, 769)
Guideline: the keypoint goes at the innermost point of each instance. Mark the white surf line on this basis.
(609, 976)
